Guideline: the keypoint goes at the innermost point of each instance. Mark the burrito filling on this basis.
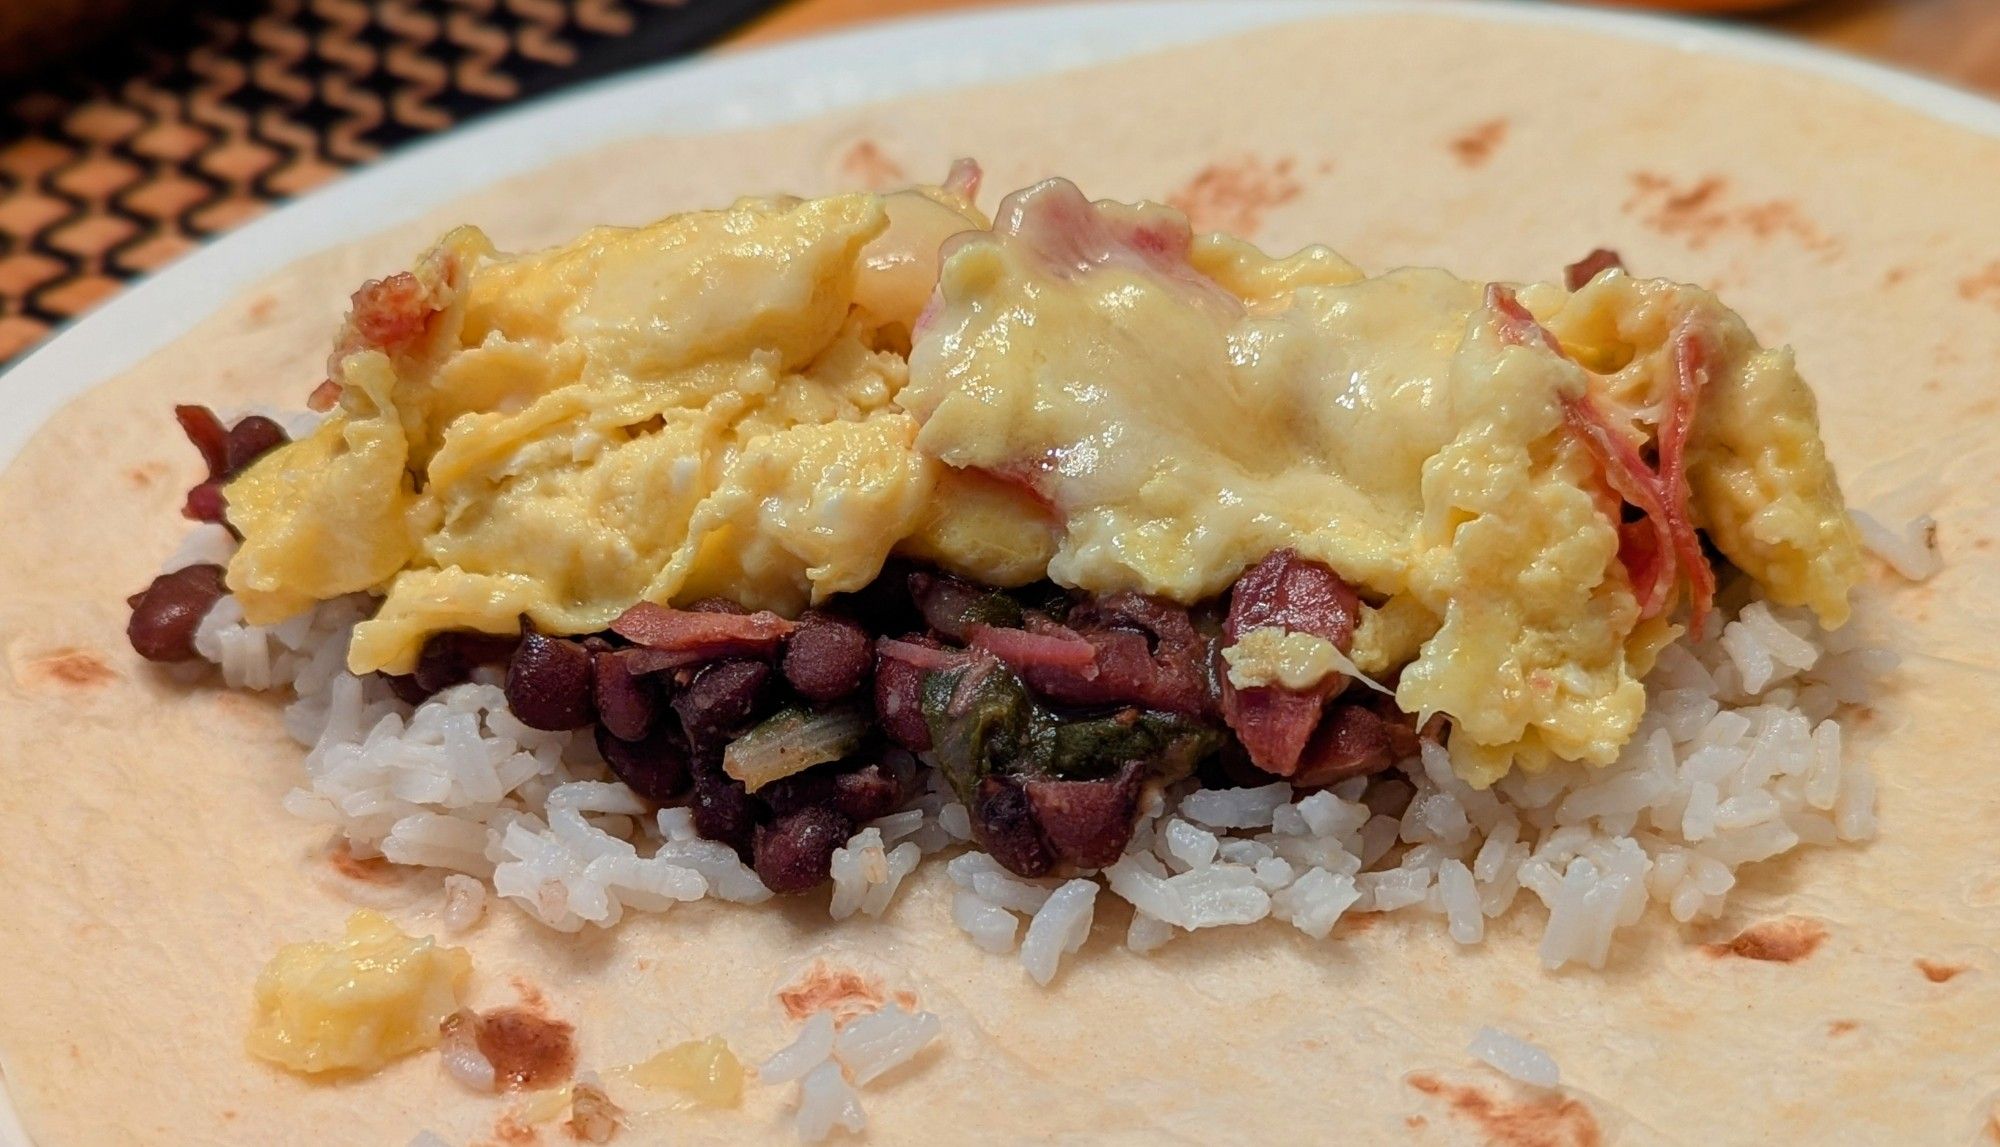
(804, 508)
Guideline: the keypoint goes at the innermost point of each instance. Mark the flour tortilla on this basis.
(151, 871)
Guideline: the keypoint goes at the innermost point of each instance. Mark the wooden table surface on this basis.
(1954, 40)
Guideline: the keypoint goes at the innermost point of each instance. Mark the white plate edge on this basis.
(165, 304)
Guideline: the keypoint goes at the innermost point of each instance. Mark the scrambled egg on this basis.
(356, 1003)
(702, 406)
(706, 1071)
(767, 401)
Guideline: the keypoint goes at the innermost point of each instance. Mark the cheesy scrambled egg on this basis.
(1381, 425)
(765, 402)
(356, 1003)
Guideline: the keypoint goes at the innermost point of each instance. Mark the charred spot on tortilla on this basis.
(366, 869)
(823, 987)
(865, 164)
(529, 1050)
(1841, 1027)
(1938, 972)
(1785, 940)
(1702, 211)
(79, 669)
(1476, 145)
(1547, 1119)
(1982, 284)
(1235, 194)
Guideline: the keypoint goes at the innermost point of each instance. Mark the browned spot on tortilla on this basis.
(1895, 275)
(509, 1129)
(147, 473)
(1938, 973)
(531, 995)
(228, 1114)
(1548, 1120)
(73, 669)
(1702, 211)
(367, 869)
(261, 307)
(843, 991)
(1233, 195)
(1785, 940)
(908, 1000)
(1993, 1127)
(1840, 1027)
(1982, 543)
(868, 165)
(1312, 1044)
(1415, 1122)
(1355, 922)
(529, 1051)
(1983, 284)
(1477, 144)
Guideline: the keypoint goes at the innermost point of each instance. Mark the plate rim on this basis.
(165, 304)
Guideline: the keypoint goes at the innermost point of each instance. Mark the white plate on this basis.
(770, 86)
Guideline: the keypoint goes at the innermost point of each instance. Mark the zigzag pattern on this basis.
(181, 133)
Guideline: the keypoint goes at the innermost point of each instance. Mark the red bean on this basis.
(795, 853)
(656, 767)
(827, 657)
(166, 613)
(449, 658)
(250, 439)
(626, 702)
(723, 810)
(205, 503)
(868, 792)
(548, 683)
(718, 702)
(899, 703)
(1005, 826)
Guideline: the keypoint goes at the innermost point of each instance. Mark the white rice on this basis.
(1740, 758)
(826, 1101)
(882, 1040)
(1515, 1057)
(812, 1047)
(1058, 928)
(830, 1063)
(1913, 552)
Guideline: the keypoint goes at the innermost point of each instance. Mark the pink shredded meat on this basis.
(1054, 648)
(963, 178)
(1146, 652)
(1663, 543)
(1285, 591)
(1581, 272)
(686, 637)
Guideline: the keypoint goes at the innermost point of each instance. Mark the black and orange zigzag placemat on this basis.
(178, 131)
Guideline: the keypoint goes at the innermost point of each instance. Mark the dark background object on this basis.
(189, 118)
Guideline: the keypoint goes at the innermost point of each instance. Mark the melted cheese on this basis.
(1381, 425)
